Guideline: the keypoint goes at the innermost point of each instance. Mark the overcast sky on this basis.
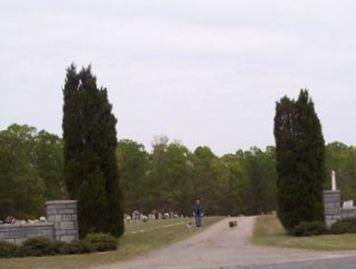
(201, 72)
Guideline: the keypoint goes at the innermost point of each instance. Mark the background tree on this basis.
(133, 164)
(90, 165)
(169, 177)
(21, 188)
(179, 187)
(48, 161)
(300, 150)
(206, 178)
(256, 182)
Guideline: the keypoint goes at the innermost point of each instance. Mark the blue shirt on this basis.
(198, 210)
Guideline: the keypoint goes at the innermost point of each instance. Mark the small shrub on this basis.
(308, 228)
(69, 248)
(344, 226)
(59, 247)
(80, 247)
(101, 241)
(36, 246)
(7, 249)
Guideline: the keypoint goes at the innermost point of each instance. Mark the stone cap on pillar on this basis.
(57, 206)
(56, 202)
(331, 192)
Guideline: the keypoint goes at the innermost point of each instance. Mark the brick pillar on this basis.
(63, 214)
(332, 207)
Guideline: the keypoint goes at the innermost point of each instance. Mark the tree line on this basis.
(171, 177)
(168, 178)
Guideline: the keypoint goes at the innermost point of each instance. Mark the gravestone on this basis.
(332, 209)
(332, 203)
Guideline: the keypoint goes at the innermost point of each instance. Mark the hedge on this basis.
(42, 246)
(310, 228)
(344, 226)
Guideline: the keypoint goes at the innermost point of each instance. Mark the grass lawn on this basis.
(138, 239)
(269, 232)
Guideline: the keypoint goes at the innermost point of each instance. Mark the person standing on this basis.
(198, 213)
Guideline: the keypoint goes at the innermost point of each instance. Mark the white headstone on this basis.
(348, 204)
(333, 180)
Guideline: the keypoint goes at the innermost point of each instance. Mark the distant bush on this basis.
(7, 249)
(344, 226)
(309, 228)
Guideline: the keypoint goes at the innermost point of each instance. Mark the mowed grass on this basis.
(268, 231)
(138, 239)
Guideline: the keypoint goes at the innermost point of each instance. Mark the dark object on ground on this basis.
(309, 228)
(189, 224)
(233, 223)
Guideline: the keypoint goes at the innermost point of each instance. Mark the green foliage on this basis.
(171, 177)
(132, 163)
(48, 156)
(21, 188)
(344, 226)
(82, 246)
(307, 228)
(161, 180)
(258, 180)
(300, 150)
(42, 246)
(101, 242)
(90, 165)
(30, 170)
(7, 249)
(60, 248)
(36, 246)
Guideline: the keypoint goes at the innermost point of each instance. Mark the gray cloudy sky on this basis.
(202, 72)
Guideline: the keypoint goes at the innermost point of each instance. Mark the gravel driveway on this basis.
(222, 247)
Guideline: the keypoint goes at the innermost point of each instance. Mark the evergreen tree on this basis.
(90, 166)
(300, 150)
(72, 133)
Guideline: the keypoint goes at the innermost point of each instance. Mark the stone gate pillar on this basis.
(63, 214)
(332, 207)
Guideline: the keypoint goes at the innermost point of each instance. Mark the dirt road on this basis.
(221, 247)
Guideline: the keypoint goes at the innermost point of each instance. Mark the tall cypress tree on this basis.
(300, 150)
(72, 132)
(90, 142)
